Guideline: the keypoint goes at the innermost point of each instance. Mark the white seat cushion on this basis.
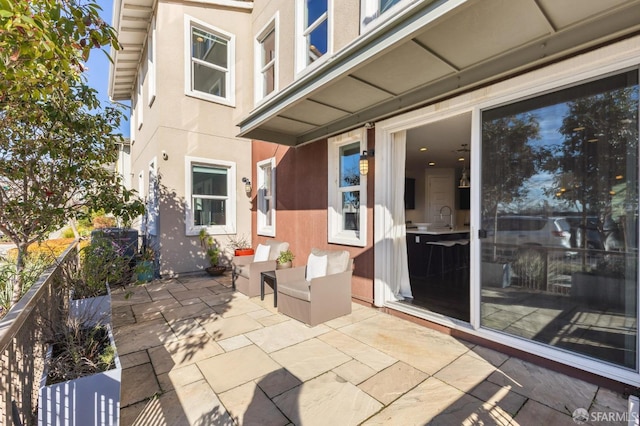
(316, 266)
(262, 253)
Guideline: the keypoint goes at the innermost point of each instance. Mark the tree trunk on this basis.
(17, 279)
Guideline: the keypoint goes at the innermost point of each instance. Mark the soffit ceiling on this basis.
(131, 19)
(427, 55)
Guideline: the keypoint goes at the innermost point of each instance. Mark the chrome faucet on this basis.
(450, 215)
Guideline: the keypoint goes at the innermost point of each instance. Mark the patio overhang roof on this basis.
(131, 19)
(431, 51)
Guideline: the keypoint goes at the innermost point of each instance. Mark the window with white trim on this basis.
(313, 29)
(209, 62)
(267, 197)
(266, 53)
(372, 10)
(210, 196)
(347, 212)
(139, 101)
(151, 63)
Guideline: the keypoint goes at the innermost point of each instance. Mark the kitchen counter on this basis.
(438, 231)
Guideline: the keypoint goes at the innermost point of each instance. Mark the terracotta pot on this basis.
(244, 252)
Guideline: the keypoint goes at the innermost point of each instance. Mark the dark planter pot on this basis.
(215, 270)
(144, 271)
(602, 291)
(244, 252)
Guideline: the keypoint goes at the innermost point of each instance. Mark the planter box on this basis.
(92, 310)
(91, 400)
(496, 274)
(602, 291)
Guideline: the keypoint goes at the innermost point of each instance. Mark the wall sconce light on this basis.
(247, 185)
(364, 161)
(165, 156)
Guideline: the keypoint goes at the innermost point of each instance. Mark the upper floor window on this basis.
(151, 63)
(209, 70)
(266, 60)
(210, 196)
(312, 22)
(372, 10)
(347, 190)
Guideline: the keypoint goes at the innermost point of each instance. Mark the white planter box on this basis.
(92, 310)
(91, 400)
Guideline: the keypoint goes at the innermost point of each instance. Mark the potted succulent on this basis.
(241, 245)
(284, 259)
(212, 253)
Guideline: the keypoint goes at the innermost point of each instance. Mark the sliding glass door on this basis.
(559, 208)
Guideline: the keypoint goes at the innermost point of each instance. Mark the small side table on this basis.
(270, 276)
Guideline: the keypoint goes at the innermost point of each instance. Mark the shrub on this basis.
(104, 222)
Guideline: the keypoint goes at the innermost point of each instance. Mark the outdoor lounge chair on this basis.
(246, 269)
(319, 291)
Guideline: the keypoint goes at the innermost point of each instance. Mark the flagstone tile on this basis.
(262, 313)
(423, 348)
(122, 315)
(178, 377)
(310, 358)
(160, 295)
(145, 335)
(358, 313)
(392, 382)
(215, 299)
(190, 311)
(191, 294)
(200, 405)
(277, 382)
(357, 350)
(468, 410)
(354, 371)
(248, 405)
(418, 406)
(223, 328)
(495, 358)
(138, 383)
(326, 400)
(130, 296)
(186, 351)
(186, 327)
(236, 307)
(153, 310)
(273, 320)
(466, 372)
(233, 343)
(609, 401)
(134, 358)
(231, 369)
(283, 334)
(548, 387)
(535, 413)
(501, 396)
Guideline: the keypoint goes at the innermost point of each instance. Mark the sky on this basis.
(98, 73)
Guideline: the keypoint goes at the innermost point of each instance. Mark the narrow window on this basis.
(266, 198)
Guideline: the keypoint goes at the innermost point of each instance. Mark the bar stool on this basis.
(444, 247)
(461, 253)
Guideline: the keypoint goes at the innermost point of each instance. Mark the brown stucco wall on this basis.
(301, 207)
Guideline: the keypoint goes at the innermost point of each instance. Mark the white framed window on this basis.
(374, 12)
(266, 54)
(151, 63)
(266, 172)
(210, 196)
(347, 204)
(132, 124)
(314, 27)
(139, 101)
(209, 62)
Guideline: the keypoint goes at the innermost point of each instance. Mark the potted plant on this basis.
(212, 253)
(284, 259)
(81, 381)
(144, 266)
(241, 245)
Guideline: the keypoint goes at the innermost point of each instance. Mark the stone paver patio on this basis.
(194, 352)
